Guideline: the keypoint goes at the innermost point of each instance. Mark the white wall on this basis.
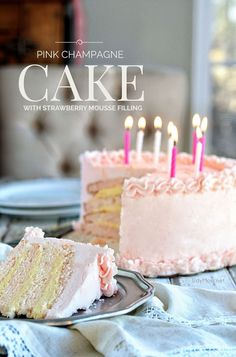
(151, 32)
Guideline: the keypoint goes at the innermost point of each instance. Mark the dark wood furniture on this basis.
(30, 25)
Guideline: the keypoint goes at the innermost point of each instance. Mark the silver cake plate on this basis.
(133, 291)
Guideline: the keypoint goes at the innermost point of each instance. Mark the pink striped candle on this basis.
(174, 152)
(127, 138)
(173, 162)
(204, 124)
(198, 151)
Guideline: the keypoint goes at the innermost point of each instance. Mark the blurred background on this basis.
(188, 50)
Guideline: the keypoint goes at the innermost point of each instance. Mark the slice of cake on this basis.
(53, 278)
(164, 226)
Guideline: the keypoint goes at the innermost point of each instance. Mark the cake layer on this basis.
(108, 204)
(180, 225)
(106, 218)
(112, 186)
(50, 278)
(100, 230)
(101, 217)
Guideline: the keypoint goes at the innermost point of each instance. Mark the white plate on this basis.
(56, 212)
(40, 194)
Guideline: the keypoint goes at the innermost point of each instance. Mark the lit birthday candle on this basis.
(198, 151)
(196, 123)
(170, 143)
(174, 152)
(157, 139)
(127, 138)
(140, 136)
(203, 127)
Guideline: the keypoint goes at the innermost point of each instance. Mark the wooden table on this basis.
(12, 229)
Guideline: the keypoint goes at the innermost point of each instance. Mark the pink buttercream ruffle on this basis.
(116, 158)
(222, 177)
(107, 270)
(191, 265)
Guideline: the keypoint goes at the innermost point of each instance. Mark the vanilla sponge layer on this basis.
(102, 211)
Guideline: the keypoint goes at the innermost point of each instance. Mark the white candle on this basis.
(204, 124)
(157, 139)
(198, 152)
(170, 144)
(140, 136)
(196, 121)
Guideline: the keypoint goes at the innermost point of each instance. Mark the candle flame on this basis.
(170, 127)
(198, 133)
(196, 120)
(204, 124)
(157, 123)
(142, 123)
(129, 122)
(174, 134)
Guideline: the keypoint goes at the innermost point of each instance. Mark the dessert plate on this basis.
(133, 291)
(40, 194)
(55, 212)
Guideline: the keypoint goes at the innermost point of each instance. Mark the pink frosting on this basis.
(220, 174)
(116, 158)
(191, 265)
(107, 270)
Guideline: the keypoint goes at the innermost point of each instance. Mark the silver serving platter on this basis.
(133, 291)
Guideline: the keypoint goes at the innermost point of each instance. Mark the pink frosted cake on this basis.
(165, 226)
(52, 278)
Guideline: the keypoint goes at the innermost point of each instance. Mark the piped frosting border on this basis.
(115, 158)
(190, 265)
(222, 177)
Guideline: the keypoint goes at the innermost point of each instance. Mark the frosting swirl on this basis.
(107, 269)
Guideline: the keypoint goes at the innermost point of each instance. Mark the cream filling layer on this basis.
(109, 192)
(50, 292)
(8, 277)
(15, 302)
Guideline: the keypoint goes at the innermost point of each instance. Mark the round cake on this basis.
(165, 226)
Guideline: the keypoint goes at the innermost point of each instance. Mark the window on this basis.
(214, 72)
(222, 57)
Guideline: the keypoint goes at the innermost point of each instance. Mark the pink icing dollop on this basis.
(107, 270)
